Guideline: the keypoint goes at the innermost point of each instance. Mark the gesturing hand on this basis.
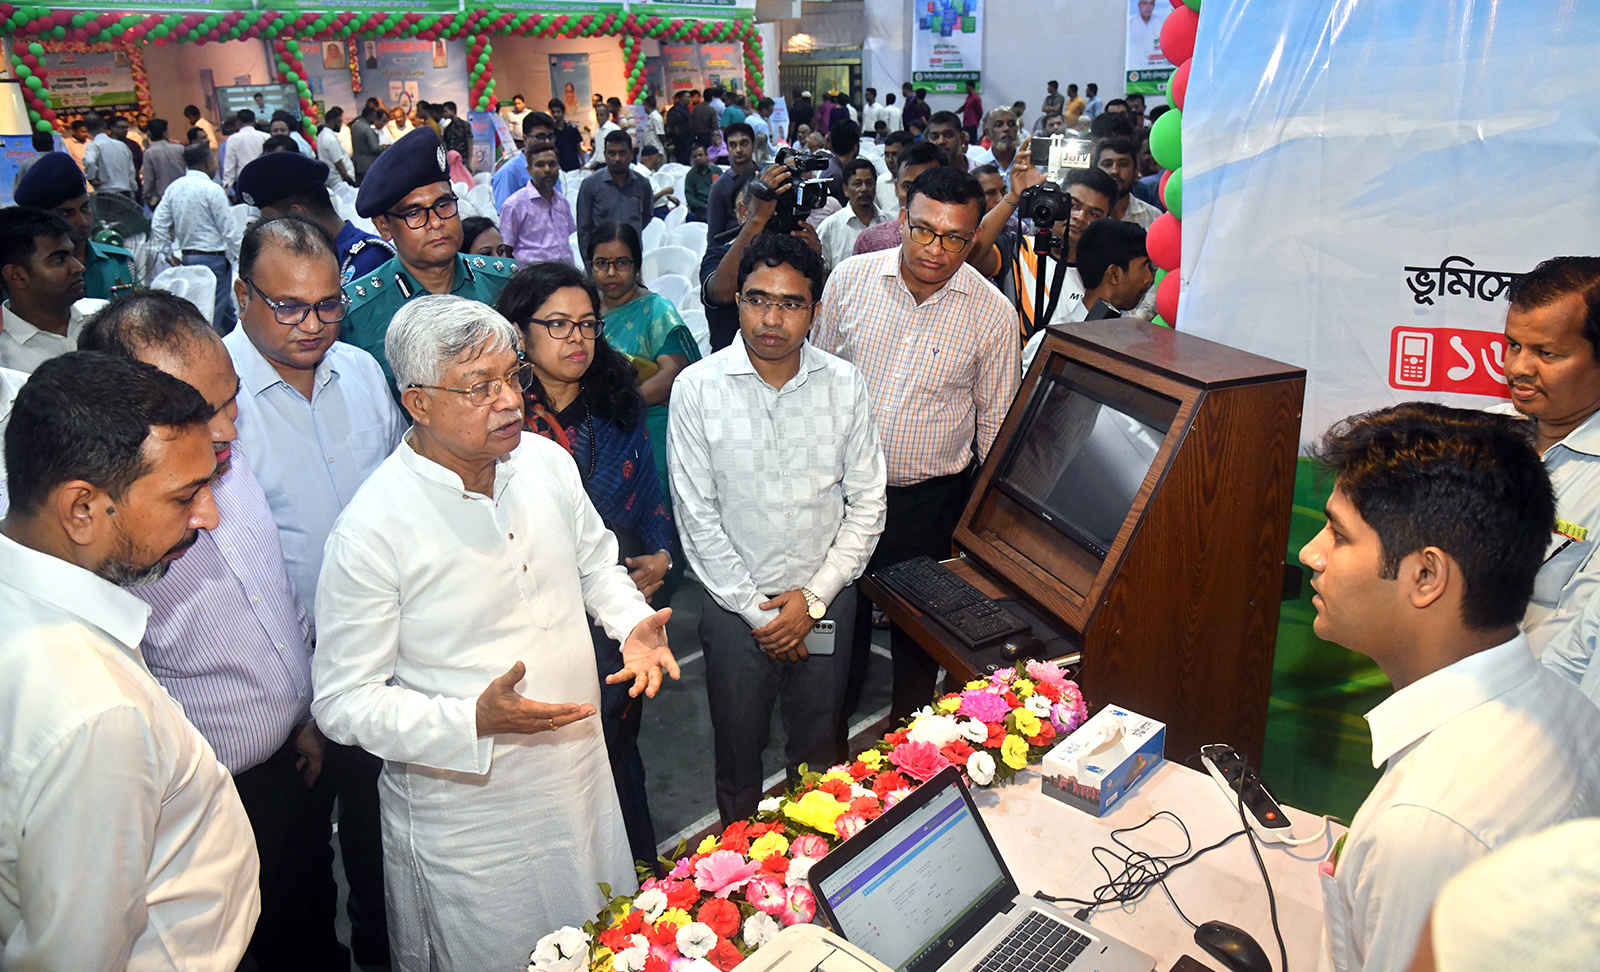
(645, 656)
(502, 711)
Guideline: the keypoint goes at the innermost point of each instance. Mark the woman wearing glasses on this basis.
(583, 396)
(642, 325)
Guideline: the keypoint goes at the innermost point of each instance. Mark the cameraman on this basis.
(719, 270)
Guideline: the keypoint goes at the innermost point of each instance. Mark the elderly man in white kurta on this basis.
(452, 642)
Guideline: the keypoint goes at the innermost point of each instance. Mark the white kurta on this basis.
(427, 593)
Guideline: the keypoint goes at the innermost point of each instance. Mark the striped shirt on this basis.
(941, 374)
(228, 637)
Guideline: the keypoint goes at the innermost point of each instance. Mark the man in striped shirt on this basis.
(229, 639)
(938, 347)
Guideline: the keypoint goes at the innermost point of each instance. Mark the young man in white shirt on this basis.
(195, 219)
(839, 231)
(44, 307)
(778, 486)
(1436, 528)
(126, 843)
(331, 149)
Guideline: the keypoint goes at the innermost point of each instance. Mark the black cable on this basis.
(1140, 871)
(1272, 900)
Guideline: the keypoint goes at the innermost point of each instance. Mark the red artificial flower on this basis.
(652, 963)
(663, 934)
(681, 894)
(1012, 700)
(887, 783)
(739, 844)
(838, 789)
(615, 938)
(776, 863)
(735, 831)
(1047, 734)
(721, 915)
(896, 738)
(632, 922)
(997, 735)
(1049, 691)
(859, 771)
(864, 803)
(724, 956)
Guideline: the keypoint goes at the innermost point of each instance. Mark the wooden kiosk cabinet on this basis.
(1137, 499)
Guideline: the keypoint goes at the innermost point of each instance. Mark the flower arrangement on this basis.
(738, 889)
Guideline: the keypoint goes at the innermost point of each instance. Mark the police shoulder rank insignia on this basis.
(361, 291)
(478, 262)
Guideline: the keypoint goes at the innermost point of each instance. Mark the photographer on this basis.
(719, 271)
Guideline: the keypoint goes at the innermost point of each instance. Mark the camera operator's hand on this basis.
(1023, 174)
(777, 177)
(807, 234)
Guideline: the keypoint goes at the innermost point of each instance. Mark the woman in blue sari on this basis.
(583, 396)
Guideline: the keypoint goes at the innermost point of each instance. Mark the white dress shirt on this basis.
(1479, 753)
(838, 233)
(428, 592)
(244, 147)
(123, 843)
(24, 347)
(332, 151)
(194, 214)
(108, 164)
(11, 382)
(888, 199)
(774, 489)
(311, 457)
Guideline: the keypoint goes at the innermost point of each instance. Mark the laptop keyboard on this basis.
(1039, 942)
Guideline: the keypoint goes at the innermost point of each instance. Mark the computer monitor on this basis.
(1083, 450)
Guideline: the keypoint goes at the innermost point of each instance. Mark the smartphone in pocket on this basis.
(820, 640)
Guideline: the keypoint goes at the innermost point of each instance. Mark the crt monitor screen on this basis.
(1083, 450)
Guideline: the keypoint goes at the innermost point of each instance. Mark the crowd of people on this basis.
(393, 528)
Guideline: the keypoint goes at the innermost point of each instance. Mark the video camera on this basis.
(1048, 203)
(795, 207)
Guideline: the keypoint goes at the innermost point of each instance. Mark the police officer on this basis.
(407, 195)
(291, 184)
(55, 183)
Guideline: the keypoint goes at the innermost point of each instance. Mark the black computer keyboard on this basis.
(974, 619)
(1037, 944)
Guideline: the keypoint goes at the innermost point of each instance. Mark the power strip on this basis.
(1234, 775)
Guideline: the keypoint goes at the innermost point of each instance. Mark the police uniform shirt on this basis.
(375, 298)
(360, 253)
(106, 268)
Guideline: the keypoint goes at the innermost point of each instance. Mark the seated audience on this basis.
(697, 183)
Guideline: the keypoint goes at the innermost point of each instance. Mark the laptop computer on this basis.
(923, 889)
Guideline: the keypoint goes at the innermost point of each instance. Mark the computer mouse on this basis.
(1232, 947)
(1022, 645)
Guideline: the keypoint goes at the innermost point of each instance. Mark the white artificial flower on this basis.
(696, 940)
(563, 950)
(973, 730)
(1038, 705)
(857, 791)
(980, 768)
(937, 729)
(769, 805)
(799, 869)
(760, 928)
(923, 712)
(633, 958)
(652, 902)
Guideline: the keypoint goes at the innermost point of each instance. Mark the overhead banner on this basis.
(947, 45)
(1348, 201)
(403, 72)
(1148, 68)
(101, 80)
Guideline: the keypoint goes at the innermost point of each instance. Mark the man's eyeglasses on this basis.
(561, 330)
(482, 393)
(922, 236)
(294, 313)
(760, 302)
(446, 208)
(620, 264)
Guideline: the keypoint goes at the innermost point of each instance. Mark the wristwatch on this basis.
(662, 550)
(814, 605)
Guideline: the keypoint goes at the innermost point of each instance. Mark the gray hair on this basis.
(429, 333)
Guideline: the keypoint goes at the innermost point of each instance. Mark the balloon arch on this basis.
(39, 30)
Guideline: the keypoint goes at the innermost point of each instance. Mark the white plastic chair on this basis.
(481, 199)
(670, 259)
(678, 217)
(673, 286)
(691, 301)
(651, 237)
(197, 285)
(673, 170)
(695, 318)
(577, 254)
(482, 178)
(691, 236)
(460, 188)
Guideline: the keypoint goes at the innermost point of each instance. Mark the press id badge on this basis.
(820, 640)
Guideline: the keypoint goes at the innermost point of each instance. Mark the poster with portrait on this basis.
(332, 55)
(1148, 68)
(441, 54)
(96, 79)
(569, 81)
(947, 45)
(407, 72)
(369, 55)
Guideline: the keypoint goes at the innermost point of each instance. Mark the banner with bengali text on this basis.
(947, 45)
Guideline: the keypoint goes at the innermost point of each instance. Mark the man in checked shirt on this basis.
(937, 345)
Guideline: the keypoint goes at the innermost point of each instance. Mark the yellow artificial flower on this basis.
(816, 810)
(872, 758)
(976, 684)
(1014, 750)
(1022, 687)
(1027, 723)
(948, 704)
(768, 844)
(674, 916)
(708, 845)
(602, 957)
(842, 773)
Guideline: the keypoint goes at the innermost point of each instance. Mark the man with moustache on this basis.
(407, 196)
(1001, 127)
(55, 183)
(44, 309)
(1117, 158)
(839, 231)
(778, 488)
(127, 846)
(536, 220)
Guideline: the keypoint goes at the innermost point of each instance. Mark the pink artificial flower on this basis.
(983, 705)
(1041, 671)
(1065, 717)
(919, 759)
(849, 824)
(767, 894)
(808, 845)
(684, 867)
(723, 872)
(1003, 676)
(800, 908)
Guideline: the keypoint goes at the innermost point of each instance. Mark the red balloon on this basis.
(1164, 242)
(1177, 35)
(1167, 298)
(1180, 84)
(1177, 3)
(1161, 188)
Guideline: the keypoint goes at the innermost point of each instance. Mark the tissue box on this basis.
(1092, 768)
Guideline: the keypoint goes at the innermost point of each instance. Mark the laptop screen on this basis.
(898, 897)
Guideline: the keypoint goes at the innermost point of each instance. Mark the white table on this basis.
(1046, 844)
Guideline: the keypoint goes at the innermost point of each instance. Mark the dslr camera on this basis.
(1048, 203)
(810, 190)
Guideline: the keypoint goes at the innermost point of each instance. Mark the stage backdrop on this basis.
(1360, 179)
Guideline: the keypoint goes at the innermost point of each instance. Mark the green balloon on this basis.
(35, 48)
(292, 77)
(1166, 140)
(58, 32)
(78, 20)
(1192, 5)
(44, 126)
(23, 71)
(1159, 321)
(1174, 193)
(34, 83)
